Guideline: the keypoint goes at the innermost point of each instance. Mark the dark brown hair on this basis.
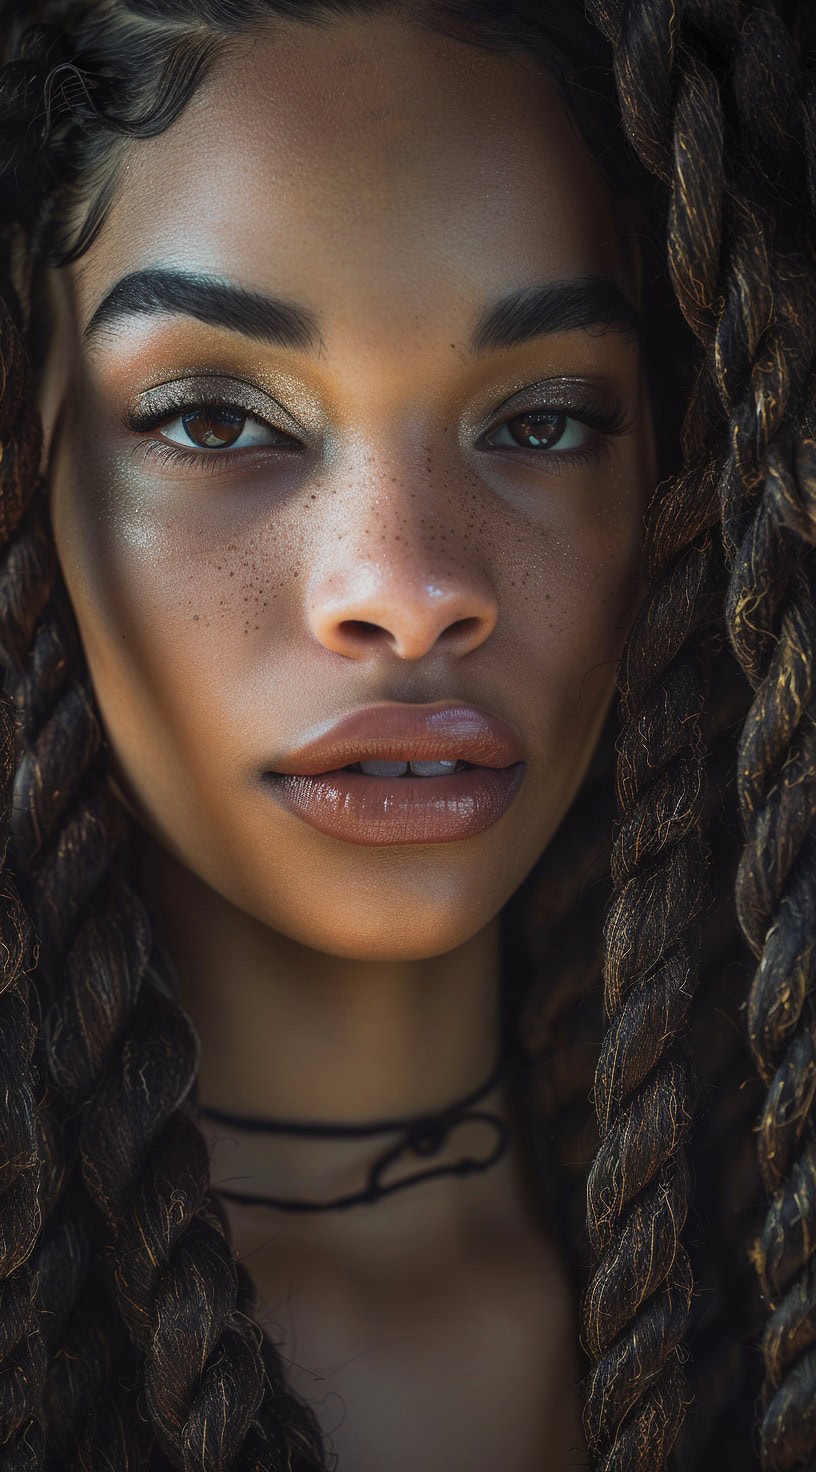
(118, 1282)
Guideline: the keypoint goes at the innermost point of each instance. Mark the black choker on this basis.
(422, 1134)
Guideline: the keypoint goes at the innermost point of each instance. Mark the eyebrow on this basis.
(590, 302)
(210, 299)
(585, 302)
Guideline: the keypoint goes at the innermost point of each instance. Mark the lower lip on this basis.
(386, 810)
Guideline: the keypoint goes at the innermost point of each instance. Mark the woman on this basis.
(360, 425)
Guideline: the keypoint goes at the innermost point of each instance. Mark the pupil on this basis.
(535, 431)
(213, 429)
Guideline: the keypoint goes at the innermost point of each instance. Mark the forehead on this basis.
(369, 165)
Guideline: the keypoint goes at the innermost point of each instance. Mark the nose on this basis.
(392, 589)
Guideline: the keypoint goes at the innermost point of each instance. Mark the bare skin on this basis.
(395, 183)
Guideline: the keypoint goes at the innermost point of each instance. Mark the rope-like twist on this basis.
(637, 1304)
(23, 1149)
(672, 63)
(772, 623)
(766, 377)
(759, 363)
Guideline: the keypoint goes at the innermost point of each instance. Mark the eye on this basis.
(540, 429)
(221, 427)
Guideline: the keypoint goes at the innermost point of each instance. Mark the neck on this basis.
(290, 1032)
(294, 1034)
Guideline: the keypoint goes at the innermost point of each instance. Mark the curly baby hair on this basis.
(665, 938)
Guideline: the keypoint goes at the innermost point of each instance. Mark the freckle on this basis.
(232, 574)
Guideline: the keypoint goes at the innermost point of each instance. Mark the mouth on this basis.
(409, 780)
(454, 800)
(442, 768)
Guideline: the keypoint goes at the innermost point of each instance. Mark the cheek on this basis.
(175, 614)
(578, 587)
(581, 583)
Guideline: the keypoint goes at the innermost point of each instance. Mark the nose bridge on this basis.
(396, 495)
(395, 561)
(396, 489)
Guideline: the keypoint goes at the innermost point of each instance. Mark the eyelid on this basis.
(594, 404)
(574, 396)
(166, 400)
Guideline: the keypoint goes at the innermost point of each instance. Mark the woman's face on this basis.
(392, 523)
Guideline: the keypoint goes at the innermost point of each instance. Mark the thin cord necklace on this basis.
(421, 1135)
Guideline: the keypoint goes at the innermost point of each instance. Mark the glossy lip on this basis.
(399, 732)
(312, 783)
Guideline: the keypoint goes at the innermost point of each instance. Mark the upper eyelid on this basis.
(561, 396)
(181, 395)
(564, 395)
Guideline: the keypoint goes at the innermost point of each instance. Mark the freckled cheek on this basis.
(173, 619)
(583, 590)
(586, 585)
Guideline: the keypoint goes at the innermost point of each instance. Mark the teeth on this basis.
(399, 769)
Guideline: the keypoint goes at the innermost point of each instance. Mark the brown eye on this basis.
(213, 428)
(536, 431)
(540, 430)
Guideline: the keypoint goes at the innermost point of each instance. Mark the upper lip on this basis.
(399, 732)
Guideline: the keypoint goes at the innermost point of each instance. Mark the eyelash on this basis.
(605, 422)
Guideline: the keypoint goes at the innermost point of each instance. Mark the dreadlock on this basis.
(741, 254)
(127, 1337)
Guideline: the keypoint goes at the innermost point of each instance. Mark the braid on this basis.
(759, 359)
(769, 513)
(637, 1307)
(22, 1145)
(57, 826)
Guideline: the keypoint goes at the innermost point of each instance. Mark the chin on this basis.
(384, 926)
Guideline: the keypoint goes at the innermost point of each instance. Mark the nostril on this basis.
(356, 626)
(410, 636)
(468, 626)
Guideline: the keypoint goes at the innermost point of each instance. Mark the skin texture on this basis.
(229, 610)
